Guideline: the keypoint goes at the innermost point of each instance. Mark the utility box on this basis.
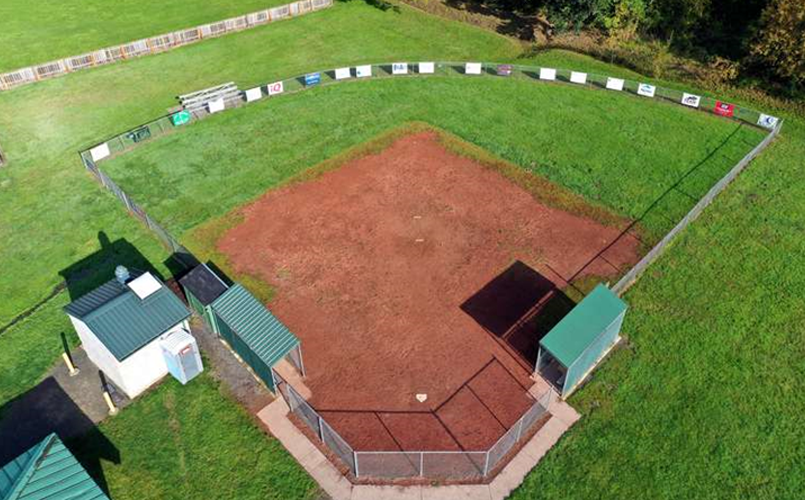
(182, 356)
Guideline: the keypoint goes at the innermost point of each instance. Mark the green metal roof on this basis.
(262, 332)
(48, 471)
(571, 336)
(123, 322)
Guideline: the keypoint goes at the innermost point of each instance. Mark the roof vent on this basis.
(144, 285)
(122, 274)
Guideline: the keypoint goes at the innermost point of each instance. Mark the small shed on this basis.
(572, 349)
(201, 287)
(256, 335)
(121, 325)
(48, 470)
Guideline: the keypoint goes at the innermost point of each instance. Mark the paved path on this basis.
(275, 417)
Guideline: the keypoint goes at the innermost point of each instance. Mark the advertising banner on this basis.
(547, 74)
(342, 73)
(577, 77)
(99, 152)
(399, 69)
(425, 68)
(312, 79)
(691, 100)
(253, 94)
(646, 90)
(472, 69)
(278, 87)
(767, 121)
(615, 83)
(180, 118)
(724, 109)
(504, 69)
(363, 71)
(216, 106)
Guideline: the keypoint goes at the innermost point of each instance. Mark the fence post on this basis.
(486, 464)
(355, 459)
(321, 428)
(421, 464)
(519, 429)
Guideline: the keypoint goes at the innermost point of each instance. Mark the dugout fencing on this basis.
(430, 465)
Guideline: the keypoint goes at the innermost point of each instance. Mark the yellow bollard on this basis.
(109, 403)
(70, 367)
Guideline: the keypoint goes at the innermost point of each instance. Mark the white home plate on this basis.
(421, 397)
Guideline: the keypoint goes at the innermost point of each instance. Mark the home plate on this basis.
(421, 397)
(420, 240)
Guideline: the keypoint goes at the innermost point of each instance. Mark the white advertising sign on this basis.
(766, 121)
(254, 94)
(615, 84)
(646, 90)
(363, 71)
(399, 68)
(580, 78)
(342, 73)
(547, 74)
(426, 68)
(472, 69)
(275, 88)
(216, 106)
(691, 100)
(99, 152)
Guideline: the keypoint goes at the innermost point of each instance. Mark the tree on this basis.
(780, 43)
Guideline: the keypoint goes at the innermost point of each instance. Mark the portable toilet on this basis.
(182, 356)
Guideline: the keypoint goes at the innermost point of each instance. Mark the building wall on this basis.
(98, 353)
(592, 355)
(147, 366)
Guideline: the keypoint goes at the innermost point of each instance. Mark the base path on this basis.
(372, 263)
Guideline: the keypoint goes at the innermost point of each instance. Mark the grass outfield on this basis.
(181, 442)
(617, 150)
(43, 31)
(706, 404)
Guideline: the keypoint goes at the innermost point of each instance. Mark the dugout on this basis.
(570, 351)
(201, 287)
(256, 335)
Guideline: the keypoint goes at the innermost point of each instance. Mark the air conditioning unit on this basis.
(182, 356)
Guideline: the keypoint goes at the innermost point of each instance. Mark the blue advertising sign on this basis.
(312, 79)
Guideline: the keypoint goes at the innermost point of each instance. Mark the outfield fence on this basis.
(157, 44)
(431, 465)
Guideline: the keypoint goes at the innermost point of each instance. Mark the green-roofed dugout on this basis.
(252, 331)
(47, 471)
(582, 338)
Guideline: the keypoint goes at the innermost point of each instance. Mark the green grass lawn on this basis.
(181, 442)
(617, 150)
(43, 31)
(707, 401)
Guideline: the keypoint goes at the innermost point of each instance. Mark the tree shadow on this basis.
(383, 5)
(45, 409)
(94, 270)
(518, 307)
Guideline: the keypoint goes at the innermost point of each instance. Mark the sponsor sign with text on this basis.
(277, 87)
(646, 90)
(767, 121)
(342, 73)
(425, 68)
(615, 83)
(547, 74)
(472, 69)
(504, 69)
(691, 100)
(363, 71)
(578, 77)
(253, 94)
(312, 79)
(216, 106)
(724, 109)
(399, 69)
(99, 152)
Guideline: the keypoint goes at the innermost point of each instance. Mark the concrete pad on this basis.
(564, 412)
(386, 492)
(549, 435)
(466, 492)
(540, 387)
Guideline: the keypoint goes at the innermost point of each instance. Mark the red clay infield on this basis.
(372, 263)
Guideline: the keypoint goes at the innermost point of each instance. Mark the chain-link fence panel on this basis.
(455, 466)
(388, 464)
(338, 445)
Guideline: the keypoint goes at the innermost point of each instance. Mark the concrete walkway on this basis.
(275, 417)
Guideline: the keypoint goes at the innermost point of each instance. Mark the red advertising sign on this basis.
(724, 109)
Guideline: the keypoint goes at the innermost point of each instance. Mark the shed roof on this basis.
(262, 332)
(576, 331)
(47, 471)
(205, 285)
(122, 321)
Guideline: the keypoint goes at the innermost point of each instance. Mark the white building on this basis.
(130, 326)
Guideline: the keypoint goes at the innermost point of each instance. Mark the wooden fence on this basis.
(156, 44)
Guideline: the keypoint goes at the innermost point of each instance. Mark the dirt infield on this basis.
(380, 268)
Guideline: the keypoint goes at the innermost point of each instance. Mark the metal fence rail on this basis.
(156, 44)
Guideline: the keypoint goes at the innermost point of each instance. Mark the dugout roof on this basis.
(205, 285)
(585, 322)
(261, 331)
